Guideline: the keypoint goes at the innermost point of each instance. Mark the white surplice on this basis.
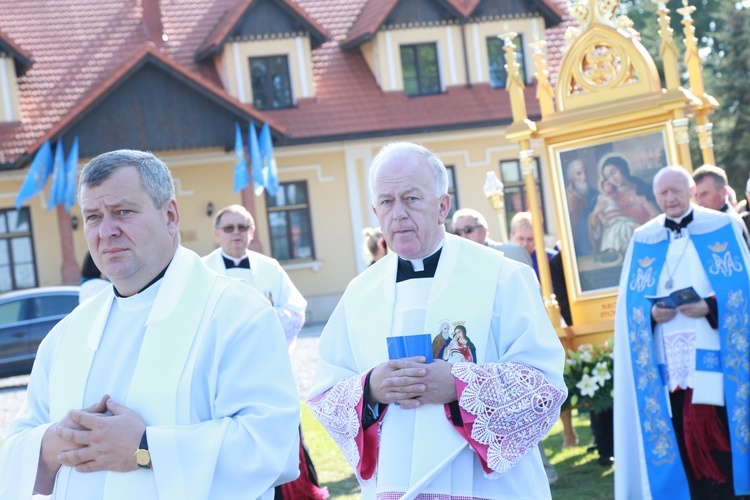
(509, 398)
(268, 277)
(201, 358)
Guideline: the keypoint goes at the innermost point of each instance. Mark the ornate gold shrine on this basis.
(611, 117)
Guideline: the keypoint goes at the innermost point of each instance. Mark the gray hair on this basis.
(396, 149)
(237, 209)
(678, 169)
(469, 212)
(155, 176)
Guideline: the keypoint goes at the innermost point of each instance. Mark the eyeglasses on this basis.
(467, 229)
(229, 229)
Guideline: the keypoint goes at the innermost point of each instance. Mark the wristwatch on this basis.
(142, 455)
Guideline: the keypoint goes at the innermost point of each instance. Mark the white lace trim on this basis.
(514, 406)
(679, 351)
(336, 409)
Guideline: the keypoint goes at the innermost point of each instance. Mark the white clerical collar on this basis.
(233, 259)
(418, 264)
(140, 300)
(678, 219)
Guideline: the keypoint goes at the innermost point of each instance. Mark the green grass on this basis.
(580, 475)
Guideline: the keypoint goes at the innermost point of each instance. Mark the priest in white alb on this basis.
(234, 228)
(154, 387)
(410, 423)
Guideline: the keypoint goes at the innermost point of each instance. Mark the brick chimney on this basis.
(152, 21)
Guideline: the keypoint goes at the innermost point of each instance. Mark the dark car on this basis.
(26, 317)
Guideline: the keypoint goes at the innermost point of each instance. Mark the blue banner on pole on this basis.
(39, 172)
(241, 180)
(71, 176)
(270, 175)
(57, 191)
(255, 160)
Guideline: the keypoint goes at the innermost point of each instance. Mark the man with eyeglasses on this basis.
(234, 229)
(470, 224)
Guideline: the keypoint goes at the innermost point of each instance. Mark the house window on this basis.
(516, 198)
(17, 266)
(496, 56)
(270, 79)
(289, 220)
(454, 196)
(419, 66)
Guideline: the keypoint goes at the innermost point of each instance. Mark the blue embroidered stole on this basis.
(721, 257)
(722, 260)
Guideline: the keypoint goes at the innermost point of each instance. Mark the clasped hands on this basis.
(103, 436)
(693, 310)
(411, 382)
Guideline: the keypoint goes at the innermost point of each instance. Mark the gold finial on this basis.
(668, 49)
(692, 58)
(545, 94)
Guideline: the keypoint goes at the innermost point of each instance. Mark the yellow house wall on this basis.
(337, 182)
(388, 54)
(476, 42)
(8, 91)
(235, 58)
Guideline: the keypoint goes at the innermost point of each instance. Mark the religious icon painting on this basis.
(452, 343)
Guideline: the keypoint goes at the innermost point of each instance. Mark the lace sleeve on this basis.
(507, 409)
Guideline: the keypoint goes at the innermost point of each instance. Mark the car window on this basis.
(53, 305)
(10, 312)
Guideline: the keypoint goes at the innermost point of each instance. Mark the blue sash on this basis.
(721, 257)
(666, 475)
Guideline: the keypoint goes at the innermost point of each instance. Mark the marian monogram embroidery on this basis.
(723, 264)
(644, 275)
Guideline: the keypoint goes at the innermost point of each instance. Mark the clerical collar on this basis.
(418, 268)
(230, 262)
(678, 224)
(157, 278)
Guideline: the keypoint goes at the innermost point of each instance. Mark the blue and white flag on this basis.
(40, 170)
(270, 174)
(255, 160)
(71, 176)
(57, 191)
(241, 180)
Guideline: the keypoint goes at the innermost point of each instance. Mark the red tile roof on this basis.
(23, 58)
(82, 47)
(231, 17)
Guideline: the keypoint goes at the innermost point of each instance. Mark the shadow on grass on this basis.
(343, 487)
(580, 474)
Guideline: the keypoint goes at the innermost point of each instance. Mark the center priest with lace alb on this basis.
(466, 424)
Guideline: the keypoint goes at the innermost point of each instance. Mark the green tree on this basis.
(723, 31)
(729, 83)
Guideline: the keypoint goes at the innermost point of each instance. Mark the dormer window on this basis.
(270, 81)
(419, 66)
(496, 56)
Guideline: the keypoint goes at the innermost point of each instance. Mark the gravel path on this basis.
(304, 361)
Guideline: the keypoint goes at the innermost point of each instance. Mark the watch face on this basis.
(143, 458)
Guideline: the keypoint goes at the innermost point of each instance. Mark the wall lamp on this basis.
(210, 209)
